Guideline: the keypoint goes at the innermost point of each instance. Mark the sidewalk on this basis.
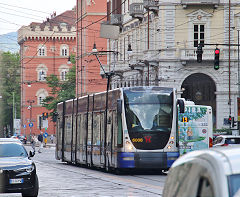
(48, 145)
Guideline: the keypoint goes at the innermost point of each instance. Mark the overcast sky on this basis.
(16, 13)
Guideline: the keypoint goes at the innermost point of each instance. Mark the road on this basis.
(58, 179)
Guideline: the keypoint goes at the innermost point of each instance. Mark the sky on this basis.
(16, 13)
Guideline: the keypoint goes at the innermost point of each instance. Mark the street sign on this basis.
(45, 134)
(45, 124)
(17, 124)
(30, 124)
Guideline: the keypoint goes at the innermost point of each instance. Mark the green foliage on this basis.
(10, 87)
(60, 90)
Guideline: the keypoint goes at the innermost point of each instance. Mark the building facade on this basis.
(44, 50)
(157, 45)
(89, 76)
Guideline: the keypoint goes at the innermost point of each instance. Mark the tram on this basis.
(124, 128)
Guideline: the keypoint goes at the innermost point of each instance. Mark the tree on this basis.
(10, 88)
(60, 90)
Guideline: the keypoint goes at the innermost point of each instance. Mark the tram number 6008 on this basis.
(137, 140)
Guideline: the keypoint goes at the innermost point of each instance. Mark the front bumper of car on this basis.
(17, 180)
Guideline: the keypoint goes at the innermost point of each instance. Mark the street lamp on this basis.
(108, 75)
(69, 60)
(30, 108)
(129, 51)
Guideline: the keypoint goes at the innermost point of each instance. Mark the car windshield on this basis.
(12, 150)
(234, 185)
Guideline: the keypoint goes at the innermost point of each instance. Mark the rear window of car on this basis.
(234, 185)
(232, 141)
(12, 150)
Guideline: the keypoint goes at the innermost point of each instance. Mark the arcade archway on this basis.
(201, 89)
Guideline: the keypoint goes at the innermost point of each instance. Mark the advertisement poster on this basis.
(193, 129)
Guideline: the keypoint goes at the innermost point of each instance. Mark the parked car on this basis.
(213, 173)
(17, 170)
(22, 138)
(226, 140)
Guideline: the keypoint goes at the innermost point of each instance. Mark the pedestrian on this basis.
(33, 141)
(40, 140)
(52, 138)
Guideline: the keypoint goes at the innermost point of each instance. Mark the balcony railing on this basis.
(136, 10)
(116, 19)
(190, 54)
(200, 2)
(151, 4)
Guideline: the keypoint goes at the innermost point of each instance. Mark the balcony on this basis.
(136, 10)
(189, 54)
(152, 5)
(116, 19)
(186, 3)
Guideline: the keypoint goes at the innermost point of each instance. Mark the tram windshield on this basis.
(149, 113)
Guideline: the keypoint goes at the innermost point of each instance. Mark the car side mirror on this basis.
(31, 154)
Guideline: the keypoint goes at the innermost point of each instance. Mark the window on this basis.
(42, 75)
(42, 50)
(63, 70)
(41, 95)
(40, 101)
(198, 34)
(64, 50)
(41, 72)
(63, 75)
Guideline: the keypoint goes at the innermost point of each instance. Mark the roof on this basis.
(68, 18)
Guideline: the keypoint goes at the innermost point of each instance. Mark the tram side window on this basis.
(96, 129)
(119, 130)
(89, 129)
(79, 129)
(109, 128)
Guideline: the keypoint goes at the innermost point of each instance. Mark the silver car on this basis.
(208, 173)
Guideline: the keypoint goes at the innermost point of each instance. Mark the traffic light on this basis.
(234, 123)
(44, 115)
(229, 120)
(54, 116)
(199, 53)
(216, 60)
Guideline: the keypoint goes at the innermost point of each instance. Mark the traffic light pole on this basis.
(229, 71)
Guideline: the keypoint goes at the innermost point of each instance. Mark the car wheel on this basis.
(34, 191)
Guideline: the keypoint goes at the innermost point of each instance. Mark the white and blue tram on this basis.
(131, 128)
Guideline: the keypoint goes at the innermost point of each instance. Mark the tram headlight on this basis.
(129, 146)
(169, 147)
(172, 138)
(171, 142)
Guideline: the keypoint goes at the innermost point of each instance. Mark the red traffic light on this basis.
(217, 51)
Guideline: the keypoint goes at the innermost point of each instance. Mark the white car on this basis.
(226, 140)
(209, 173)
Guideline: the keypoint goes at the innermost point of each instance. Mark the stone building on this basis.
(44, 50)
(162, 38)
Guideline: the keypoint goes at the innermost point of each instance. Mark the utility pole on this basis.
(30, 108)
(13, 115)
